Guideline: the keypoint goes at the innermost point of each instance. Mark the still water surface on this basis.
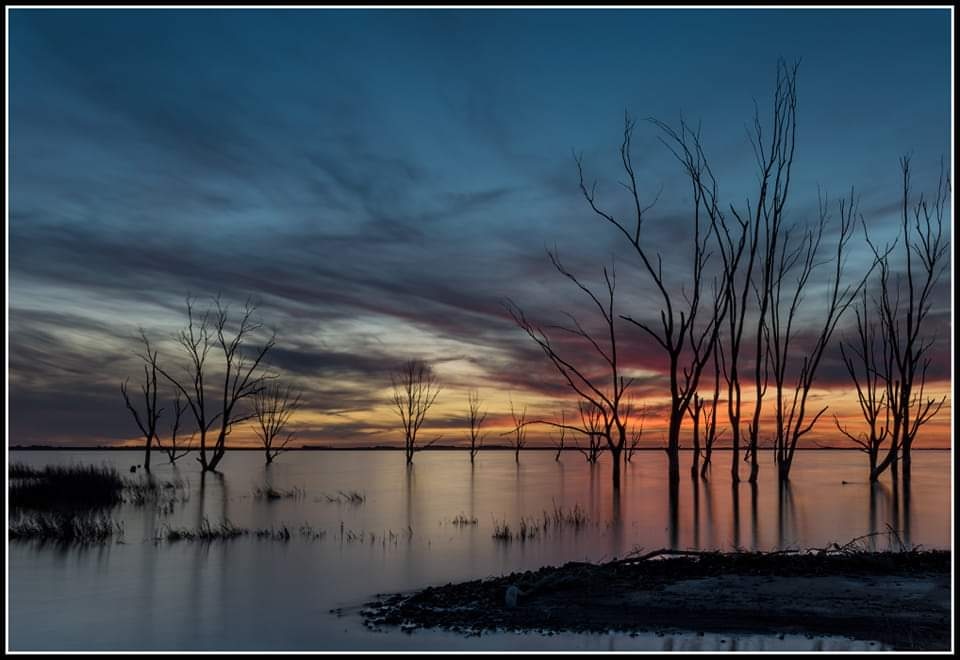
(259, 594)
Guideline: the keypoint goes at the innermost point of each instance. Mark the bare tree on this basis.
(147, 422)
(415, 389)
(748, 261)
(519, 429)
(869, 363)
(174, 451)
(591, 419)
(562, 435)
(476, 418)
(686, 337)
(796, 261)
(636, 422)
(710, 431)
(904, 304)
(606, 393)
(240, 372)
(273, 405)
(696, 413)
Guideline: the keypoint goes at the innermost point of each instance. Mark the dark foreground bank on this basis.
(898, 598)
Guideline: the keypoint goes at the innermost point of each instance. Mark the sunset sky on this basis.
(381, 181)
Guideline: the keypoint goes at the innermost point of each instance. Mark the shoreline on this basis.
(902, 599)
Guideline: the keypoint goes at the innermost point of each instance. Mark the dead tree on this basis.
(796, 261)
(684, 335)
(415, 390)
(748, 257)
(147, 422)
(174, 451)
(239, 370)
(696, 413)
(605, 393)
(636, 431)
(562, 435)
(273, 406)
(519, 429)
(591, 419)
(710, 433)
(868, 362)
(476, 418)
(904, 303)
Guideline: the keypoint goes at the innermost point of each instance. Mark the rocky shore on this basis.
(900, 599)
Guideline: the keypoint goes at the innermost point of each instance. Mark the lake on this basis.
(254, 593)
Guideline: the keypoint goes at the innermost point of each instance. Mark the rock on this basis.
(512, 597)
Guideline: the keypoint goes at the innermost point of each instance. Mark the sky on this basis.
(381, 181)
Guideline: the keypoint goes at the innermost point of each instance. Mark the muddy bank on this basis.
(897, 598)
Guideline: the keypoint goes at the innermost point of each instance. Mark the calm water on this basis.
(254, 593)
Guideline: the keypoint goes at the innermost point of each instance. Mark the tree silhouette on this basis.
(240, 372)
(273, 406)
(147, 421)
(415, 390)
(900, 341)
(476, 418)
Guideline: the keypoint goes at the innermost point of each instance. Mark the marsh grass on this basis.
(462, 520)
(207, 532)
(163, 494)
(64, 528)
(204, 532)
(23, 471)
(533, 527)
(387, 536)
(74, 488)
(65, 488)
(270, 493)
(345, 497)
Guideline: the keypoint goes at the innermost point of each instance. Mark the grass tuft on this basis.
(271, 493)
(64, 528)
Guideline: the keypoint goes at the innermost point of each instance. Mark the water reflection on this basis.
(786, 515)
(735, 512)
(197, 594)
(711, 541)
(673, 511)
(695, 490)
(889, 514)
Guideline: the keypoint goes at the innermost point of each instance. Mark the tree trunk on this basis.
(146, 458)
(615, 463)
(673, 444)
(695, 462)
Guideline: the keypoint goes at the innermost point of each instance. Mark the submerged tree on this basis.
(894, 349)
(519, 429)
(561, 435)
(604, 394)
(146, 422)
(174, 451)
(591, 420)
(476, 419)
(239, 376)
(749, 256)
(867, 362)
(689, 319)
(635, 431)
(415, 389)
(795, 263)
(710, 432)
(272, 407)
